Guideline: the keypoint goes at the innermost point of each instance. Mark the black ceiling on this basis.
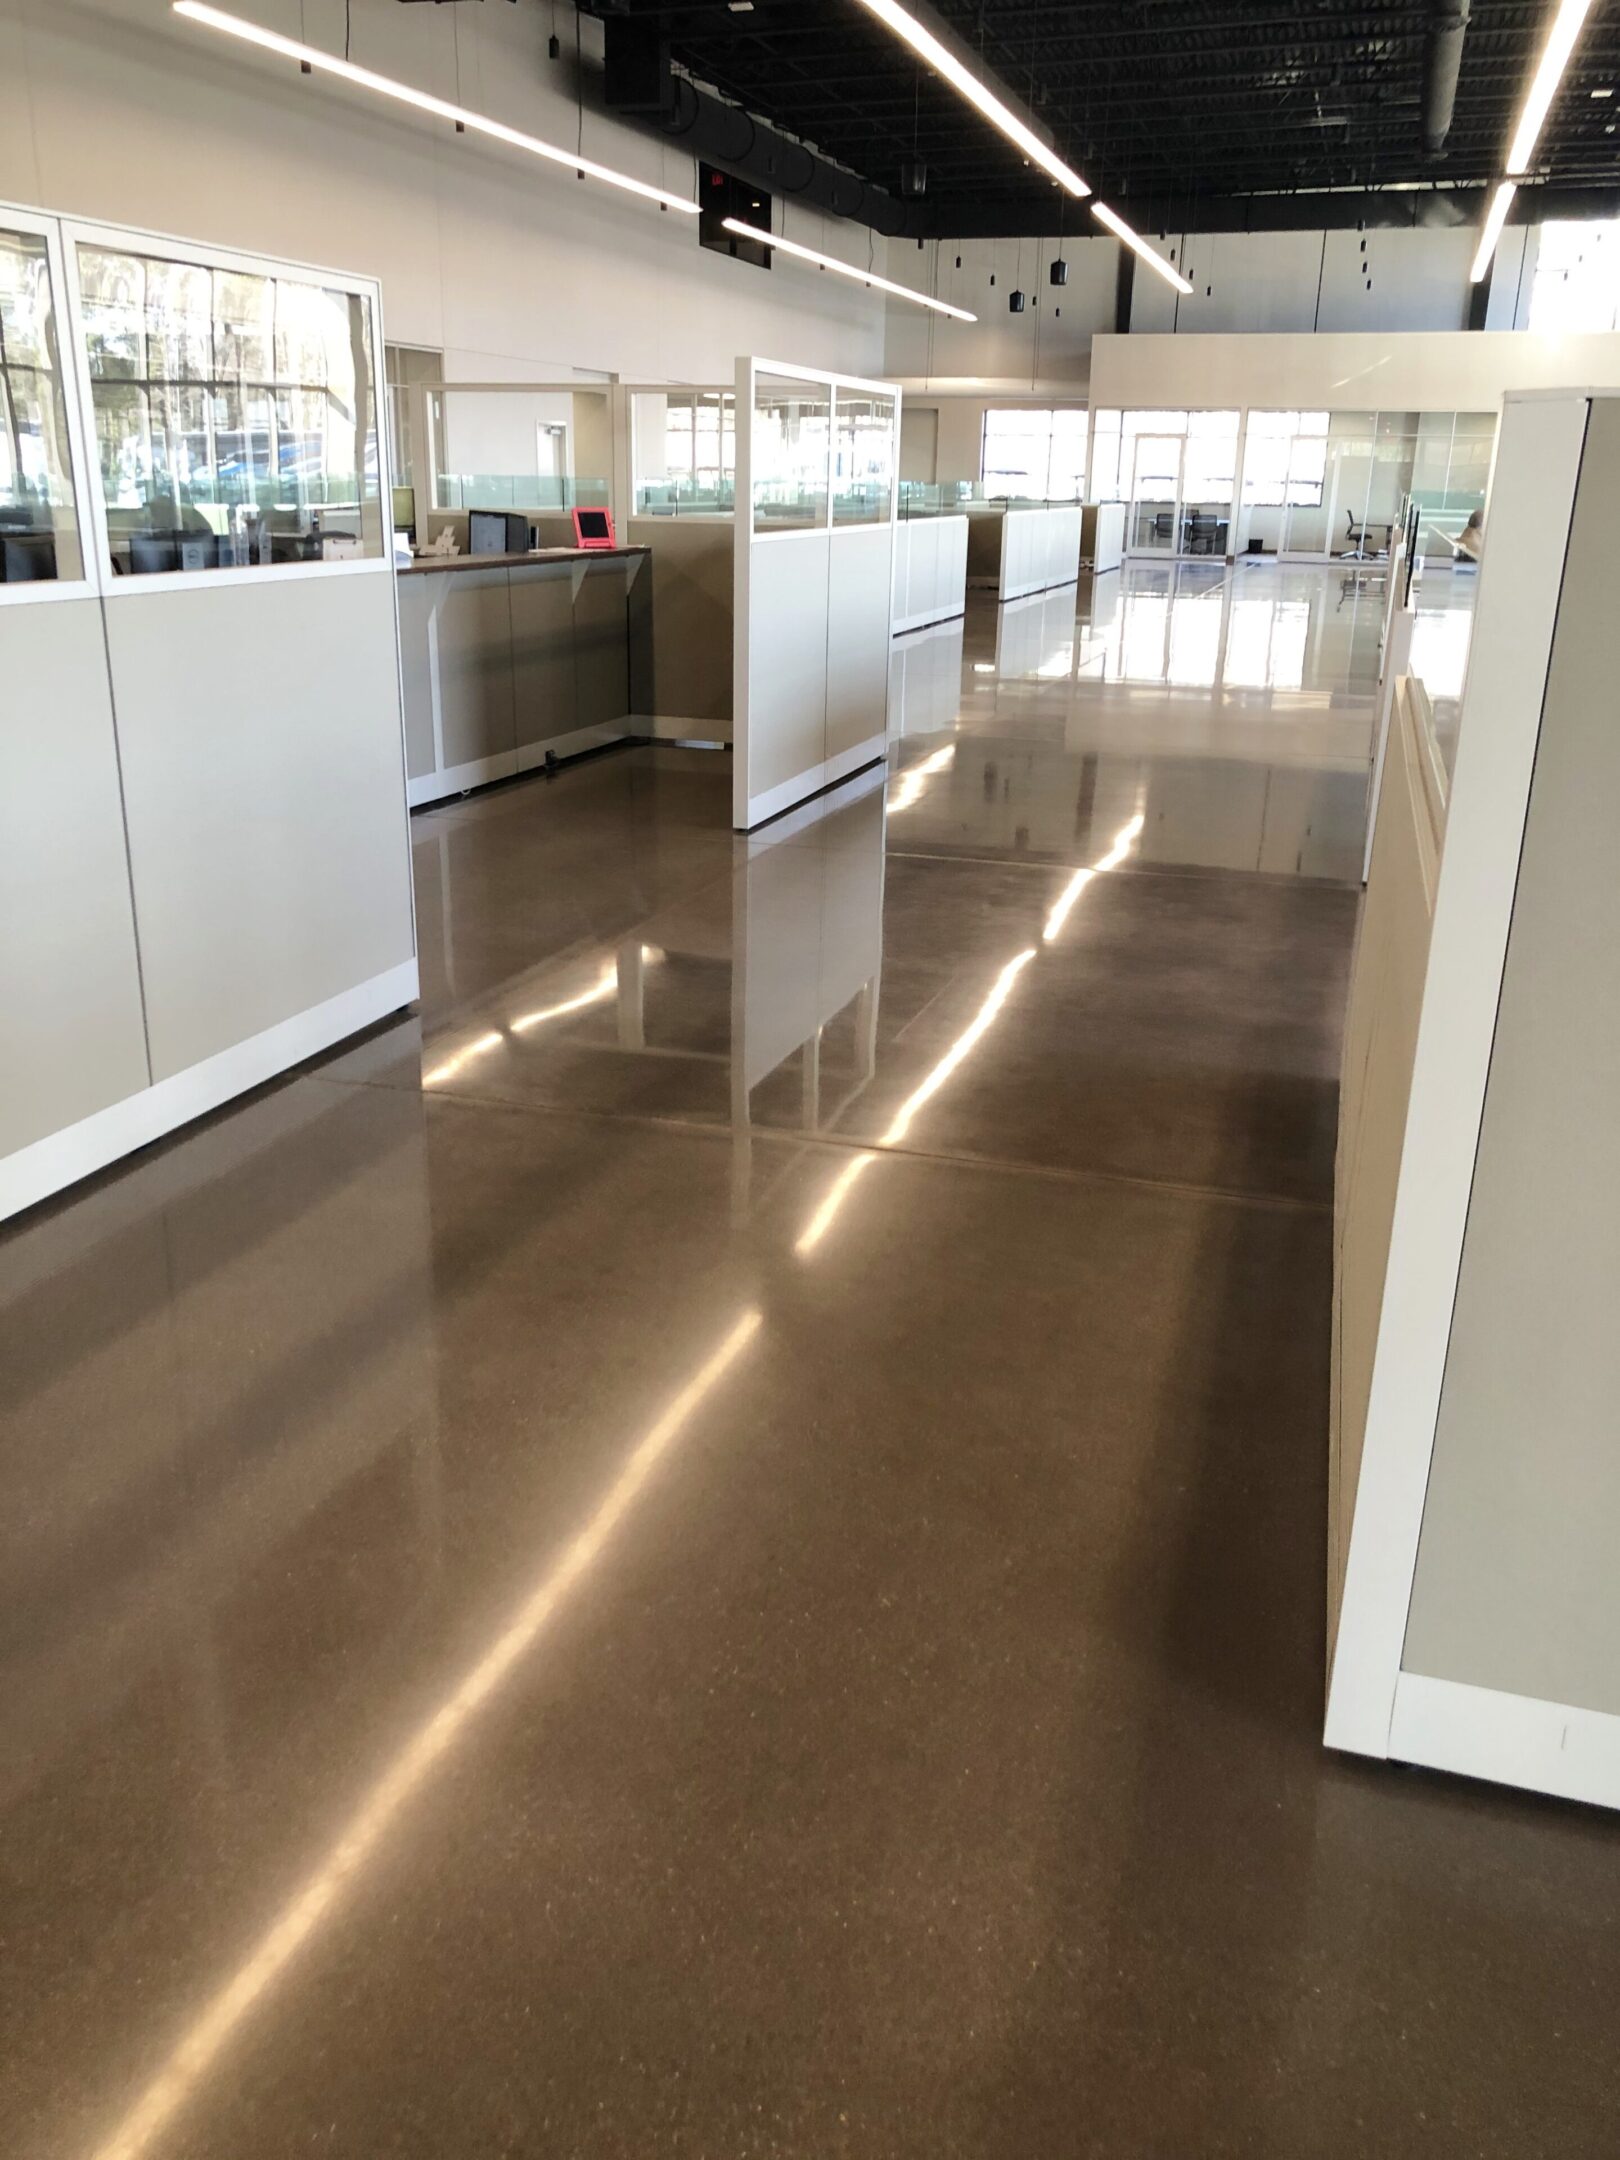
(1170, 106)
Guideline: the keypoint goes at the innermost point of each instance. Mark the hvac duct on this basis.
(1448, 25)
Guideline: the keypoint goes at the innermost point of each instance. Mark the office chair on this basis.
(1356, 536)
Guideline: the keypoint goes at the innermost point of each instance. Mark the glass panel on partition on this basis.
(1107, 484)
(792, 447)
(544, 451)
(684, 452)
(1209, 477)
(235, 415)
(39, 534)
(863, 457)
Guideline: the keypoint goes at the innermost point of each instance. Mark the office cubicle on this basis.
(817, 460)
(220, 708)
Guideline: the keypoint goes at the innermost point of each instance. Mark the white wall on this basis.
(1311, 281)
(1049, 343)
(1457, 371)
(511, 267)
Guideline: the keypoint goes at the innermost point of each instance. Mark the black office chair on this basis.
(27, 557)
(1357, 536)
(1163, 524)
(1203, 526)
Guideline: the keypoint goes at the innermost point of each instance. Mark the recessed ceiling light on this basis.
(1601, 93)
(317, 61)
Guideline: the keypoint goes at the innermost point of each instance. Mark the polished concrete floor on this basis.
(716, 1546)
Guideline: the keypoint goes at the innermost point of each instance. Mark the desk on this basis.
(509, 661)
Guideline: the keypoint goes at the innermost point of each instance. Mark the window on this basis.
(1285, 459)
(1576, 285)
(685, 450)
(1035, 452)
(38, 532)
(792, 443)
(863, 457)
(235, 415)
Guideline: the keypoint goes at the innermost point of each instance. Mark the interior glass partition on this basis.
(1451, 469)
(39, 533)
(683, 453)
(235, 414)
(863, 457)
(792, 442)
(1033, 453)
(516, 446)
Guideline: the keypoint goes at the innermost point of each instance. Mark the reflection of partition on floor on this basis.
(807, 950)
(204, 859)
(1474, 1598)
(925, 679)
(814, 575)
(930, 570)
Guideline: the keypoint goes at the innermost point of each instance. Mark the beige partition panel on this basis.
(817, 457)
(1479, 1628)
(72, 1040)
(930, 571)
(263, 804)
(204, 868)
(691, 630)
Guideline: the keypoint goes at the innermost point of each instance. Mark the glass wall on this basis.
(39, 536)
(235, 415)
(684, 452)
(1176, 471)
(1035, 454)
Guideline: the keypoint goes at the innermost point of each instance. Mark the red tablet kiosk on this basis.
(593, 529)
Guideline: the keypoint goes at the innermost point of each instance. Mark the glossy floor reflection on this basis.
(716, 1546)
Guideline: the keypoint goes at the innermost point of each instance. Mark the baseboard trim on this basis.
(61, 1159)
(1545, 1747)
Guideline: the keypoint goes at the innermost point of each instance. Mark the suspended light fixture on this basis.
(1566, 28)
(1544, 84)
(844, 269)
(1134, 241)
(1495, 219)
(314, 61)
(966, 84)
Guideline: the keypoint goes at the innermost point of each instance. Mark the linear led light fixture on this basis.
(1544, 85)
(1495, 219)
(325, 63)
(945, 64)
(1133, 240)
(844, 269)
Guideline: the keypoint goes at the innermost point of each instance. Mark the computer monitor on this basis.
(26, 558)
(593, 529)
(405, 510)
(497, 532)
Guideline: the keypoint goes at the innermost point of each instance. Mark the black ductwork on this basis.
(1448, 25)
(640, 84)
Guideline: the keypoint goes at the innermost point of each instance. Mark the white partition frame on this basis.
(811, 631)
(297, 1029)
(87, 585)
(1374, 1707)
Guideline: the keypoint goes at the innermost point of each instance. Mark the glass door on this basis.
(1155, 495)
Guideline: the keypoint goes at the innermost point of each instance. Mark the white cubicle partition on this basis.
(817, 457)
(1039, 549)
(930, 571)
(227, 890)
(1476, 1477)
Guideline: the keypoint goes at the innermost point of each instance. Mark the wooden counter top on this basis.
(536, 558)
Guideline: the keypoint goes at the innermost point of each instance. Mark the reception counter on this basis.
(509, 660)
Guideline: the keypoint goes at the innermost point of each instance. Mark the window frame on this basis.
(88, 585)
(130, 240)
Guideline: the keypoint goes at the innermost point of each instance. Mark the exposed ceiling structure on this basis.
(1182, 112)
